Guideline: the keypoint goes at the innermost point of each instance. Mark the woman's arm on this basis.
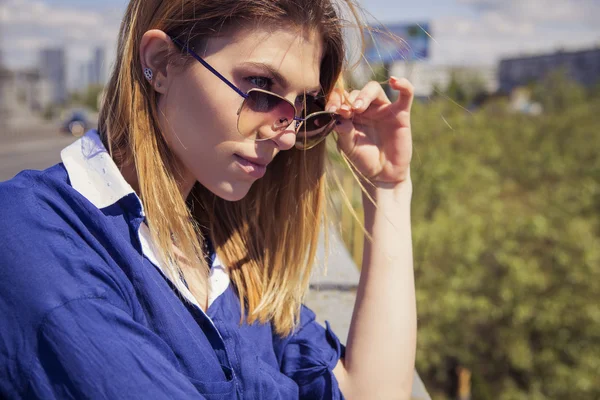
(380, 355)
(376, 136)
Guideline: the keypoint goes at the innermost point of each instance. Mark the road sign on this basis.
(398, 42)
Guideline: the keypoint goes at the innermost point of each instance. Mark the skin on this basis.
(198, 110)
(199, 123)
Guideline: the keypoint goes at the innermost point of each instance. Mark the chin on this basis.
(232, 191)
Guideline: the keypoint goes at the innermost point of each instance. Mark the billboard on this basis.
(398, 42)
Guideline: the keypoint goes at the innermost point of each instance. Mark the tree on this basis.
(506, 231)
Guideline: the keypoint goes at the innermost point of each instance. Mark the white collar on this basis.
(94, 174)
(92, 171)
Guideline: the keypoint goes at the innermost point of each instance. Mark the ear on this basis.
(154, 50)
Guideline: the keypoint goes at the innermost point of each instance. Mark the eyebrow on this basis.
(277, 76)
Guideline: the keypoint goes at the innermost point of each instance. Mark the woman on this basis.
(167, 256)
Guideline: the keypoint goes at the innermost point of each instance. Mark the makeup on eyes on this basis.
(268, 82)
(266, 71)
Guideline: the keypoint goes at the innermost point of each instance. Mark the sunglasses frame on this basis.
(299, 121)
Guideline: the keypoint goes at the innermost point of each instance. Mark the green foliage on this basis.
(456, 91)
(506, 234)
(50, 112)
(88, 98)
(463, 88)
(557, 92)
(506, 214)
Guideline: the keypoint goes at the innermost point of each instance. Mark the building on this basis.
(582, 66)
(24, 94)
(6, 92)
(427, 78)
(33, 91)
(53, 69)
(96, 67)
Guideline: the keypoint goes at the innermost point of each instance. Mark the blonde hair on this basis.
(267, 240)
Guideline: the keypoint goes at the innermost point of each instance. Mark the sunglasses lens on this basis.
(315, 129)
(263, 115)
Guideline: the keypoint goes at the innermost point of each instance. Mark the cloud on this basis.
(510, 28)
(27, 26)
(30, 25)
(470, 32)
(540, 11)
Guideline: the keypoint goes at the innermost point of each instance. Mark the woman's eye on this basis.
(260, 82)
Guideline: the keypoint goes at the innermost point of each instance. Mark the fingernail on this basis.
(358, 103)
(345, 107)
(332, 109)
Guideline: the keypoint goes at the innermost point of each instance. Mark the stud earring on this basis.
(148, 73)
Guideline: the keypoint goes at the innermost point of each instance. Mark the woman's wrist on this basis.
(389, 196)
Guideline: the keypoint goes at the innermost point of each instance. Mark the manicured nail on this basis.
(345, 107)
(358, 104)
(332, 109)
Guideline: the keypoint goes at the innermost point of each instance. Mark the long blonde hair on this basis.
(267, 240)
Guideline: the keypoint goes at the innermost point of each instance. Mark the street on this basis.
(31, 146)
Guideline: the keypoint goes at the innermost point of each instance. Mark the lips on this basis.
(258, 161)
(252, 166)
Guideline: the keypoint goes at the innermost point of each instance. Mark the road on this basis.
(35, 146)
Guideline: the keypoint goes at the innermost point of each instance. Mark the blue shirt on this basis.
(86, 312)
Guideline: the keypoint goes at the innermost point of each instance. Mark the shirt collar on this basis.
(93, 173)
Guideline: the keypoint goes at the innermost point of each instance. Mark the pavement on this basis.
(36, 145)
(30, 143)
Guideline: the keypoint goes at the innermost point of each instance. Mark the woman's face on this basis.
(198, 111)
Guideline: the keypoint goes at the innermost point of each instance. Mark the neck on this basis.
(129, 172)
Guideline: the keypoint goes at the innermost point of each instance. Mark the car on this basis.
(76, 122)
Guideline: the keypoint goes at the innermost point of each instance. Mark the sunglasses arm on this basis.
(208, 66)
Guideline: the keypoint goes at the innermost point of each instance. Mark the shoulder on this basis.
(26, 192)
(36, 209)
(47, 254)
(44, 262)
(33, 202)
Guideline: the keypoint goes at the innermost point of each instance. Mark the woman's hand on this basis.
(375, 133)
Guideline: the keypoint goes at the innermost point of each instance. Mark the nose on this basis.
(285, 139)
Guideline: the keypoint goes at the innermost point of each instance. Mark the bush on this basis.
(506, 213)
(506, 231)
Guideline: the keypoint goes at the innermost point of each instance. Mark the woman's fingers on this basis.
(346, 131)
(406, 93)
(372, 93)
(335, 100)
(382, 109)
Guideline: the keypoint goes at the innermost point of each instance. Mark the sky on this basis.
(465, 32)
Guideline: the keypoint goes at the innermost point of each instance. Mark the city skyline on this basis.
(465, 32)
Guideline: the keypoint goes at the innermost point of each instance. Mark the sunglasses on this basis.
(271, 114)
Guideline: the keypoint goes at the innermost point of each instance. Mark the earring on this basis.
(158, 84)
(148, 73)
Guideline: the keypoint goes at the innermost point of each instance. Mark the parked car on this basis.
(76, 122)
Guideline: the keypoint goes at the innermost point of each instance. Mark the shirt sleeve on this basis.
(88, 348)
(309, 355)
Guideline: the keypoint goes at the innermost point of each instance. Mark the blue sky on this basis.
(466, 32)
